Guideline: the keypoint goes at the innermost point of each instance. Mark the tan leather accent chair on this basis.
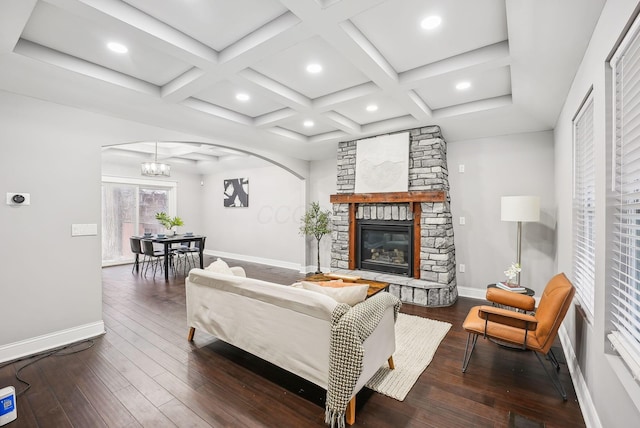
(520, 326)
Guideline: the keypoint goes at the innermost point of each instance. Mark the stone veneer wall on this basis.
(427, 171)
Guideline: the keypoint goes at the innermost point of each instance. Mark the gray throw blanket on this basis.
(350, 327)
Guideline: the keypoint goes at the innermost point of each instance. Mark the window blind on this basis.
(584, 206)
(625, 271)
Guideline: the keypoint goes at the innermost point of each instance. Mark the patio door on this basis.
(129, 207)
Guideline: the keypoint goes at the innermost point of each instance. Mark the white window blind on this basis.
(584, 206)
(625, 275)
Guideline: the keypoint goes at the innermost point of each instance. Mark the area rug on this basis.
(417, 340)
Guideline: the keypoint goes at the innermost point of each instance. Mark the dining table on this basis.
(169, 240)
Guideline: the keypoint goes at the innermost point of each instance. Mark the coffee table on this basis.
(374, 286)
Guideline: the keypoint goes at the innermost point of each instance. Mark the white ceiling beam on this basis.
(328, 102)
(333, 136)
(270, 119)
(496, 55)
(14, 15)
(76, 65)
(133, 22)
(473, 107)
(285, 94)
(288, 134)
(267, 32)
(383, 126)
(217, 111)
(268, 40)
(367, 48)
(339, 121)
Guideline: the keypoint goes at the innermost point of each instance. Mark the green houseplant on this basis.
(169, 222)
(315, 222)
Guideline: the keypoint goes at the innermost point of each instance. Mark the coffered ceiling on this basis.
(188, 61)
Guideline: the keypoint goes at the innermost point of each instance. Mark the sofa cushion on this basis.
(341, 292)
(220, 266)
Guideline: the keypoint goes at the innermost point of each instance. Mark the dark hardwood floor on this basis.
(143, 372)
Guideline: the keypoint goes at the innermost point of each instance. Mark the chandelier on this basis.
(156, 168)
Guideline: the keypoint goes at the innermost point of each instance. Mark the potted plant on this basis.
(315, 222)
(169, 222)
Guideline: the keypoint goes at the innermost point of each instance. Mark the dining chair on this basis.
(186, 254)
(136, 249)
(154, 257)
(523, 328)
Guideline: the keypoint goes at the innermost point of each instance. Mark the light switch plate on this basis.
(84, 229)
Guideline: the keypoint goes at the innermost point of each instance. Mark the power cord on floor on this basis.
(41, 356)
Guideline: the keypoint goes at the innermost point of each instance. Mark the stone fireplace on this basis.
(420, 268)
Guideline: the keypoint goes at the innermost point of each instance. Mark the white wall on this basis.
(600, 377)
(510, 165)
(51, 291)
(189, 191)
(267, 230)
(322, 184)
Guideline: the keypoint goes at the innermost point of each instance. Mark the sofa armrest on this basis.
(238, 271)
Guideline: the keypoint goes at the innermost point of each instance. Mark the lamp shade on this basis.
(520, 208)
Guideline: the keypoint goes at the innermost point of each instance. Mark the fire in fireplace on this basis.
(385, 246)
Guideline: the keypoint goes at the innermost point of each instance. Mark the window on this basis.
(129, 207)
(584, 210)
(625, 267)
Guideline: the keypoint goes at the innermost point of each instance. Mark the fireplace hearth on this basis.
(385, 246)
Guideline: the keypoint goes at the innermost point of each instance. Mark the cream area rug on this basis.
(417, 340)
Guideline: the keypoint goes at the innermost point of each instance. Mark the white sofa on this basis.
(287, 326)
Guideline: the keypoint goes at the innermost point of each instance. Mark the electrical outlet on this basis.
(461, 267)
(463, 221)
(461, 168)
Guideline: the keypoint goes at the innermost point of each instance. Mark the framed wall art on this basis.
(236, 192)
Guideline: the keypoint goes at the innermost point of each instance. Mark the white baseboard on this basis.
(474, 293)
(35, 345)
(589, 412)
(261, 260)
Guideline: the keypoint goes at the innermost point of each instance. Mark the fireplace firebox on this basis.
(385, 246)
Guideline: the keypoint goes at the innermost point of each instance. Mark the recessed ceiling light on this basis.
(242, 96)
(117, 47)
(431, 22)
(308, 123)
(314, 68)
(463, 85)
(372, 107)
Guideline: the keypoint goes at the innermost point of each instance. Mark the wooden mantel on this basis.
(413, 198)
(390, 197)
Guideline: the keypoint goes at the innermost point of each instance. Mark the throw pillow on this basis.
(345, 293)
(220, 266)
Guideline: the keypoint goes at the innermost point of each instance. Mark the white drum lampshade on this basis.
(520, 208)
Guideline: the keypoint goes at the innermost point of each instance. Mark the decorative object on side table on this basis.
(169, 222)
(315, 222)
(512, 273)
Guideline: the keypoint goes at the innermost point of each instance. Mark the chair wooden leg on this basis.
(351, 411)
(390, 361)
(192, 331)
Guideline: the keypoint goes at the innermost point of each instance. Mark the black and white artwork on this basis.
(236, 192)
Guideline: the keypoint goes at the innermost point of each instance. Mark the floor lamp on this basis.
(520, 209)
